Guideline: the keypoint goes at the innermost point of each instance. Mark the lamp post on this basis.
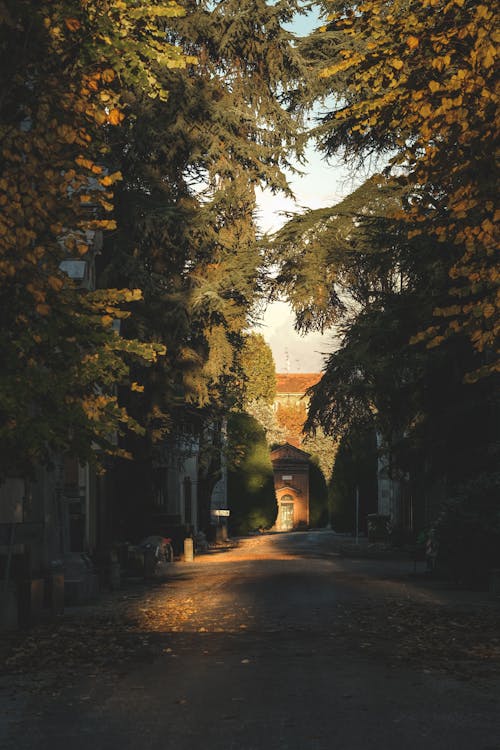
(357, 514)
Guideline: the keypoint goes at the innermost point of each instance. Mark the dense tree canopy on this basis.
(152, 123)
(416, 83)
(252, 499)
(405, 266)
(132, 139)
(65, 66)
(258, 369)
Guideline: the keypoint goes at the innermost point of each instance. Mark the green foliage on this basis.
(355, 467)
(66, 67)
(258, 369)
(265, 415)
(416, 84)
(468, 530)
(432, 424)
(322, 448)
(252, 499)
(327, 258)
(319, 515)
(186, 207)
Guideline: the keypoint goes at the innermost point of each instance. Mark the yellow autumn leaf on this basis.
(83, 162)
(42, 309)
(108, 225)
(55, 283)
(412, 42)
(73, 24)
(489, 56)
(108, 75)
(110, 179)
(115, 117)
(137, 387)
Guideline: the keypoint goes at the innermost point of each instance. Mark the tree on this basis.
(258, 372)
(258, 368)
(433, 426)
(416, 83)
(323, 449)
(187, 201)
(252, 498)
(319, 514)
(329, 262)
(186, 233)
(354, 472)
(66, 66)
(265, 415)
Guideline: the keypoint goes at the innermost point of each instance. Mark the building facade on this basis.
(291, 482)
(291, 403)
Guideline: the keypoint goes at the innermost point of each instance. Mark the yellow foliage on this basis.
(108, 75)
(55, 283)
(115, 117)
(111, 179)
(396, 63)
(83, 162)
(448, 142)
(72, 24)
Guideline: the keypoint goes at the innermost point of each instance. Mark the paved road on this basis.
(277, 645)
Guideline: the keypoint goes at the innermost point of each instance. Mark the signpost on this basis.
(221, 515)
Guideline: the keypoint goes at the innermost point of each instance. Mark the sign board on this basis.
(287, 477)
(220, 512)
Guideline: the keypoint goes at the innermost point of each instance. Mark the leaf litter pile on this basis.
(464, 642)
(106, 640)
(109, 638)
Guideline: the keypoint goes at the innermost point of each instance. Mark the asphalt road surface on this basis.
(279, 644)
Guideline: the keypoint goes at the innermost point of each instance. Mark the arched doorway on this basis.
(286, 513)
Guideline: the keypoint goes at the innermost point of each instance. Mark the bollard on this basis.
(188, 550)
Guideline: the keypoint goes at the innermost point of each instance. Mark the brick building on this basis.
(291, 482)
(291, 402)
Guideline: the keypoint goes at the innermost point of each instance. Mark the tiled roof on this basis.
(297, 382)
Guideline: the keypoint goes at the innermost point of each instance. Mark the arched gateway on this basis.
(291, 483)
